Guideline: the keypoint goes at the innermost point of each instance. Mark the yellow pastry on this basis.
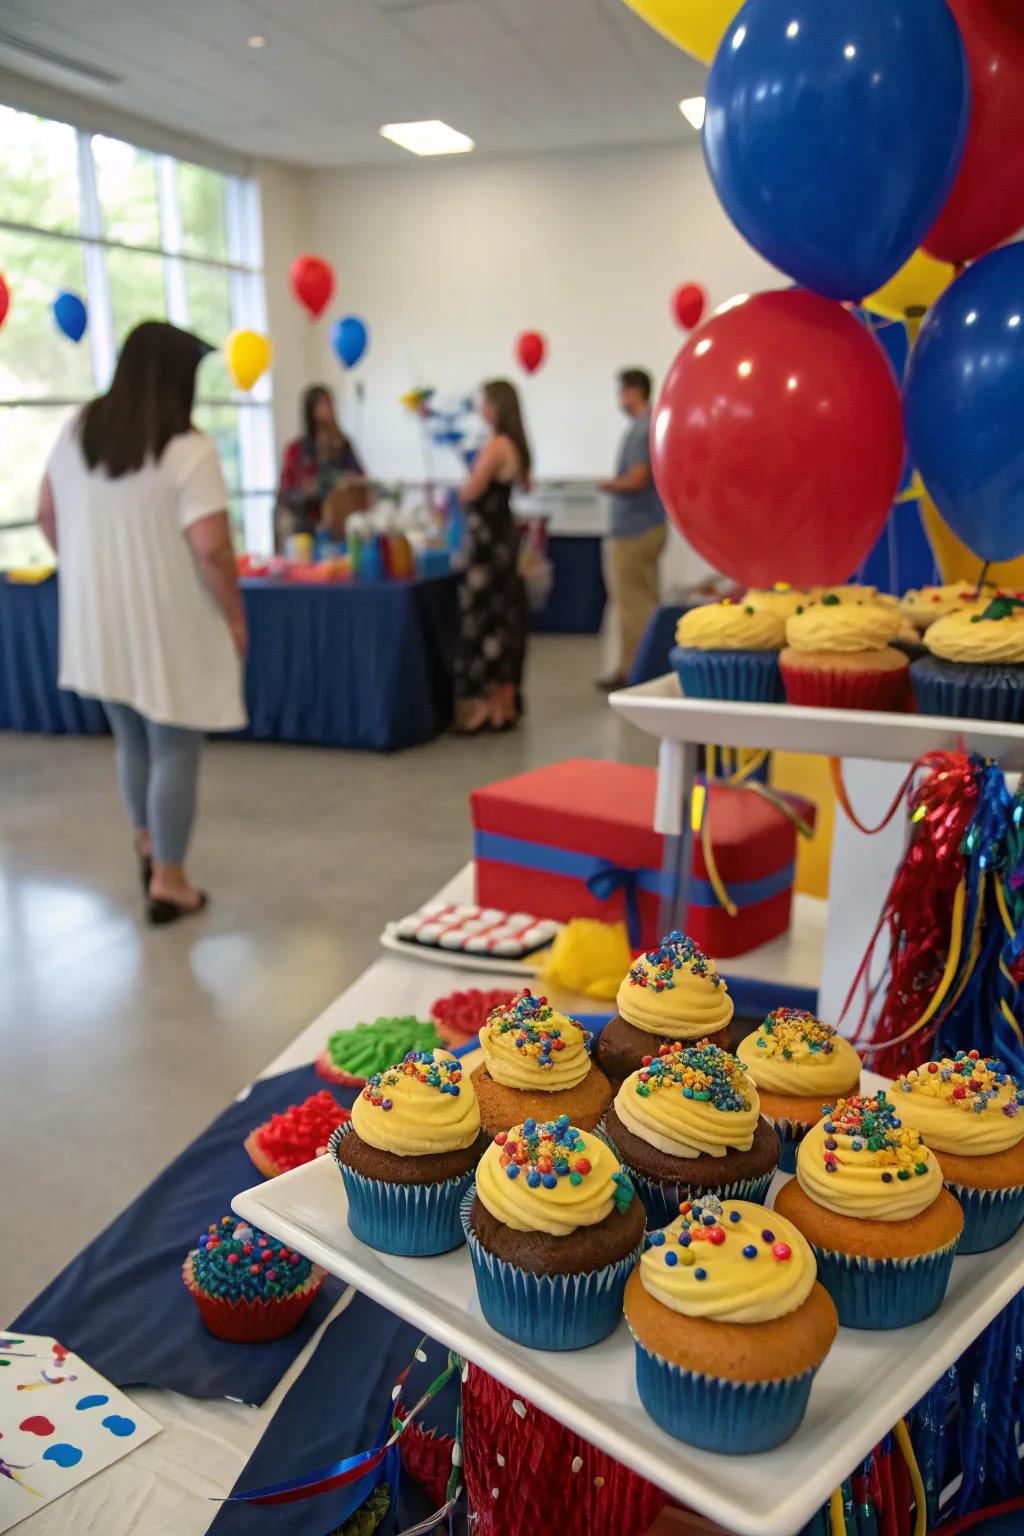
(675, 992)
(781, 600)
(994, 635)
(834, 625)
(412, 1110)
(923, 605)
(729, 626)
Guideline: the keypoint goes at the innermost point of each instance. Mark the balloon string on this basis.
(981, 578)
(956, 940)
(836, 772)
(836, 1516)
(916, 1481)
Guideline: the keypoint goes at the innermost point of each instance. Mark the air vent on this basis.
(52, 59)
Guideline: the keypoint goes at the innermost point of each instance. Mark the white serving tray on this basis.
(868, 1381)
(458, 960)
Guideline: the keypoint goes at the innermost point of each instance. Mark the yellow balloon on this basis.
(247, 355)
(697, 26)
(913, 289)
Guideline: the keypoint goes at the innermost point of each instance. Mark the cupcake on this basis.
(868, 1197)
(968, 1109)
(688, 1124)
(729, 650)
(352, 1055)
(923, 605)
(537, 1066)
(408, 1154)
(976, 664)
(782, 600)
(554, 1228)
(248, 1287)
(838, 654)
(287, 1141)
(729, 1325)
(798, 1064)
(672, 994)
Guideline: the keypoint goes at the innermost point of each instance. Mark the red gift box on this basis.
(573, 839)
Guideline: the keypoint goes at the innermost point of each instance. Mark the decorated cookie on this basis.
(352, 1055)
(289, 1140)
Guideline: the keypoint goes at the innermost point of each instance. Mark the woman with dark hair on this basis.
(314, 467)
(151, 619)
(493, 610)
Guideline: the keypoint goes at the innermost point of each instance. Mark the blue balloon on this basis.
(964, 405)
(833, 132)
(350, 338)
(71, 315)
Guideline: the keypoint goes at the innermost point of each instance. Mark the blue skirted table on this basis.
(362, 665)
(575, 605)
(659, 637)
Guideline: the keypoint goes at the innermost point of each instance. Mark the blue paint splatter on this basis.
(63, 1455)
(119, 1425)
(94, 1400)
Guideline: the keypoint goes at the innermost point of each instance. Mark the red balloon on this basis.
(777, 441)
(312, 283)
(531, 350)
(5, 299)
(986, 204)
(688, 304)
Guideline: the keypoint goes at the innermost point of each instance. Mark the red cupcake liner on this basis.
(253, 1322)
(825, 689)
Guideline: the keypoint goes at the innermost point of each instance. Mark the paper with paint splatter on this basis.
(60, 1423)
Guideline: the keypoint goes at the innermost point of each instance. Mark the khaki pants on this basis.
(631, 576)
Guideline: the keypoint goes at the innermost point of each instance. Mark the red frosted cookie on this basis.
(288, 1141)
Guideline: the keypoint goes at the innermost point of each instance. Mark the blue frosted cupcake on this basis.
(868, 1197)
(976, 664)
(408, 1155)
(554, 1229)
(689, 1124)
(729, 1326)
(730, 650)
(971, 1112)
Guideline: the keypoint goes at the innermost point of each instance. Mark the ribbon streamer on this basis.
(835, 769)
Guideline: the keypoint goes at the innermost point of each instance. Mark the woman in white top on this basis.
(151, 618)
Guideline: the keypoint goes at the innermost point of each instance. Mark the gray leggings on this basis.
(157, 768)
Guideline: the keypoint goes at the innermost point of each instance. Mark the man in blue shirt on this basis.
(637, 534)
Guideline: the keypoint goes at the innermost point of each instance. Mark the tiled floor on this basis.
(119, 1043)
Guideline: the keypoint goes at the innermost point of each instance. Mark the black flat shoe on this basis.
(160, 912)
(145, 872)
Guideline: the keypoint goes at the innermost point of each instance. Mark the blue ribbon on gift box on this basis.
(603, 878)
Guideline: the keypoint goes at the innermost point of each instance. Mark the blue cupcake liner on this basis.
(979, 692)
(884, 1293)
(413, 1220)
(661, 1200)
(547, 1311)
(991, 1216)
(734, 1417)
(790, 1133)
(750, 677)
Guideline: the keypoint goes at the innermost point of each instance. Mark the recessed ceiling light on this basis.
(257, 41)
(430, 138)
(693, 110)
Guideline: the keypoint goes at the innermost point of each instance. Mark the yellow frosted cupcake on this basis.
(971, 1113)
(839, 655)
(976, 665)
(782, 600)
(923, 605)
(729, 650)
(799, 1064)
(670, 994)
(730, 1326)
(537, 1063)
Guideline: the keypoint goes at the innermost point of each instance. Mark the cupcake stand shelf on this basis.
(867, 1382)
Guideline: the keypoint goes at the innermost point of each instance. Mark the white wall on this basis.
(448, 260)
(284, 211)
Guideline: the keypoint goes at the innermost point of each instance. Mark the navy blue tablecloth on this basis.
(576, 602)
(659, 638)
(365, 666)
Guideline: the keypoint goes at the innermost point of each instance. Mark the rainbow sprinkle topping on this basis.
(239, 1262)
(527, 1019)
(703, 1072)
(785, 1028)
(545, 1152)
(704, 1221)
(675, 952)
(874, 1127)
(969, 1080)
(444, 1075)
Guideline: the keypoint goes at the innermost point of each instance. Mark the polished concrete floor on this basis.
(120, 1043)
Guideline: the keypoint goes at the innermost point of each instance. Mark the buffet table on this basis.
(363, 665)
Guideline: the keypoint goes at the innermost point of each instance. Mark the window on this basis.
(138, 236)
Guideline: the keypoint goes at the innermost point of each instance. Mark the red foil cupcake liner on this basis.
(253, 1322)
(825, 689)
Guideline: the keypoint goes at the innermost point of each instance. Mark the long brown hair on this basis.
(503, 398)
(149, 400)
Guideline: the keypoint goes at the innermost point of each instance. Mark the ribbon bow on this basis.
(603, 884)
